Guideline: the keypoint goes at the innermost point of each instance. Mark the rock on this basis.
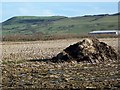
(90, 50)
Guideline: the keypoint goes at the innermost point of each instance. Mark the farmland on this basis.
(58, 25)
(25, 65)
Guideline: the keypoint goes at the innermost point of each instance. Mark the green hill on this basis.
(53, 25)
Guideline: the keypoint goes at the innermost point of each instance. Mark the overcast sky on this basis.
(70, 9)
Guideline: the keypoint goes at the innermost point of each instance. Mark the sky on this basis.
(60, 0)
(70, 9)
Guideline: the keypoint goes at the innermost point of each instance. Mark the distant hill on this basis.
(53, 25)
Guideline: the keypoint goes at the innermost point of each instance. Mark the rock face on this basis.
(88, 50)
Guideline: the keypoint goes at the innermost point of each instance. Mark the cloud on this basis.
(35, 12)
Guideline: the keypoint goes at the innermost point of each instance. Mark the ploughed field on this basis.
(26, 65)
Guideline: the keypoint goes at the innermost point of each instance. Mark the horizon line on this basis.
(61, 15)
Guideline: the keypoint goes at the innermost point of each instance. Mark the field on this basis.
(26, 65)
(60, 25)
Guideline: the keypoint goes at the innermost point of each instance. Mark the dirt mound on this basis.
(90, 50)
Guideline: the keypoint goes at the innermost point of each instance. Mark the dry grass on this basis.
(41, 49)
(18, 71)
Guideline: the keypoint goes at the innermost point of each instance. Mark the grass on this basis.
(58, 24)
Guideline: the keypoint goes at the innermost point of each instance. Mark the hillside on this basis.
(53, 25)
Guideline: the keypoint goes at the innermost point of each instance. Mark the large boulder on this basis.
(90, 50)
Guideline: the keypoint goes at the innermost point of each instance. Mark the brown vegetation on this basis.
(36, 37)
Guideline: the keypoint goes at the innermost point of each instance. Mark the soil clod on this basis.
(88, 50)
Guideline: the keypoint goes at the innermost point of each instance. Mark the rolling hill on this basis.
(53, 25)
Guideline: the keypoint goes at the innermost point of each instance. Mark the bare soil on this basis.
(25, 65)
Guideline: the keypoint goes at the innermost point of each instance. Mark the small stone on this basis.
(54, 76)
